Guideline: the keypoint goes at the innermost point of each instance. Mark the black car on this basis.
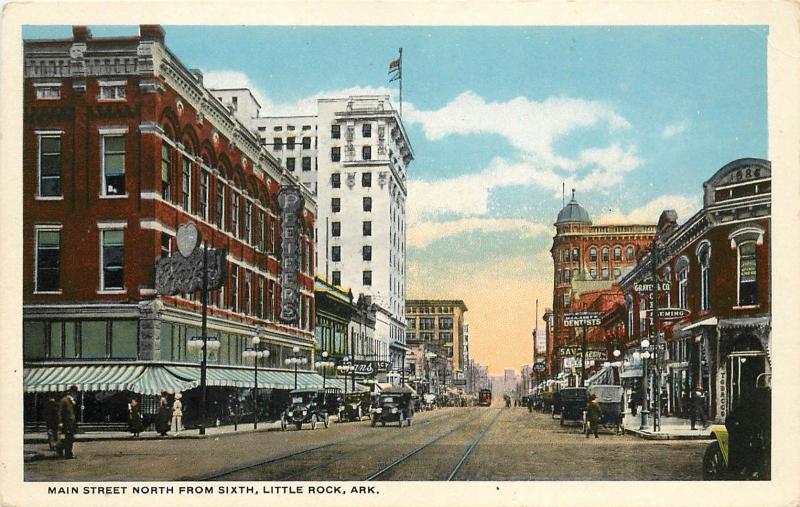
(308, 406)
(355, 406)
(573, 403)
(394, 405)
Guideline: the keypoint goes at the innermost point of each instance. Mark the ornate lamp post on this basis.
(644, 355)
(204, 344)
(346, 368)
(256, 353)
(324, 365)
(428, 357)
(295, 360)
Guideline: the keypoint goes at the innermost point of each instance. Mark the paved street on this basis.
(505, 444)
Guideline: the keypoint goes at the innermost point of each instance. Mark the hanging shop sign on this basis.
(670, 313)
(539, 367)
(647, 286)
(182, 273)
(578, 319)
(371, 367)
(291, 201)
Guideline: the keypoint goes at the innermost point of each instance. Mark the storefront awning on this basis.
(340, 384)
(245, 378)
(631, 373)
(710, 321)
(156, 379)
(604, 376)
(58, 378)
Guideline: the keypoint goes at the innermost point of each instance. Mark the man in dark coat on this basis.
(698, 406)
(593, 415)
(67, 422)
(163, 417)
(51, 420)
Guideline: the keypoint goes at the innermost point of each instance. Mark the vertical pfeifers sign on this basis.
(291, 201)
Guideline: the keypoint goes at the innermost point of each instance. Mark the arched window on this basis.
(566, 255)
(605, 254)
(704, 259)
(629, 253)
(748, 276)
(682, 271)
(166, 170)
(629, 310)
(593, 254)
(617, 253)
(576, 254)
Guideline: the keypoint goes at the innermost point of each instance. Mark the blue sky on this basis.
(635, 118)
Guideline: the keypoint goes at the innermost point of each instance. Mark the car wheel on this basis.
(374, 422)
(714, 467)
(325, 422)
(561, 419)
(360, 414)
(313, 422)
(299, 425)
(400, 422)
(283, 424)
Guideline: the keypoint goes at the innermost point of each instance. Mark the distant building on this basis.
(437, 326)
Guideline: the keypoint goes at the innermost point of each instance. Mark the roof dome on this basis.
(573, 212)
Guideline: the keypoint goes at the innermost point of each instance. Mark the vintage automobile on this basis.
(334, 400)
(355, 406)
(609, 397)
(307, 406)
(429, 401)
(394, 405)
(741, 448)
(485, 397)
(573, 403)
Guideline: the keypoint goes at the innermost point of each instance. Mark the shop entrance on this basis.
(745, 363)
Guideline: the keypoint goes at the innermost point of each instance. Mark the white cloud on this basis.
(530, 126)
(424, 233)
(673, 129)
(270, 107)
(685, 206)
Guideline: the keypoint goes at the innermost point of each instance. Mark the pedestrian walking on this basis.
(51, 422)
(177, 413)
(698, 411)
(593, 416)
(135, 418)
(163, 416)
(67, 423)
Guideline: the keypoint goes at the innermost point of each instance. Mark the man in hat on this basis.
(67, 422)
(593, 415)
(177, 413)
(698, 406)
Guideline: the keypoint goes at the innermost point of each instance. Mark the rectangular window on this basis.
(336, 154)
(366, 152)
(48, 92)
(272, 243)
(593, 273)
(366, 278)
(166, 170)
(125, 339)
(566, 300)
(445, 322)
(235, 214)
(336, 204)
(247, 294)
(336, 278)
(683, 285)
(336, 229)
(270, 299)
(112, 91)
(366, 130)
(336, 180)
(604, 273)
(203, 208)
(336, 131)
(366, 228)
(49, 165)
(617, 253)
(93, 339)
(366, 179)
(306, 143)
(186, 185)
(366, 252)
(367, 203)
(336, 253)
(576, 254)
(220, 205)
(112, 259)
(113, 147)
(290, 143)
(248, 222)
(277, 143)
(235, 288)
(306, 163)
(261, 229)
(748, 287)
(260, 297)
(48, 260)
(166, 244)
(290, 163)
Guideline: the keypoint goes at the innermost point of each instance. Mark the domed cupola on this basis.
(573, 212)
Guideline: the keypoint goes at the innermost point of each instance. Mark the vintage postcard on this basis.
(442, 253)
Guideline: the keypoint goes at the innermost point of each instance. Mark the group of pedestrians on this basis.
(169, 417)
(62, 423)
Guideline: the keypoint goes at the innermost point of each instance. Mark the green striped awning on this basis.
(239, 377)
(112, 377)
(157, 379)
(340, 383)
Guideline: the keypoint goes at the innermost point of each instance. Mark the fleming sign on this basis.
(291, 202)
(579, 319)
(670, 313)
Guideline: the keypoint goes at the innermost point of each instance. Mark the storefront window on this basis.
(34, 340)
(93, 339)
(125, 339)
(56, 335)
(166, 341)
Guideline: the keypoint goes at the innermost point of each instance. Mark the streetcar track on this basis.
(261, 462)
(472, 446)
(423, 447)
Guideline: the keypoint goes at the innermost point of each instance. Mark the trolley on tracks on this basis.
(485, 397)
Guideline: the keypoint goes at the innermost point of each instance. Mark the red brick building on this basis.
(586, 258)
(122, 144)
(718, 266)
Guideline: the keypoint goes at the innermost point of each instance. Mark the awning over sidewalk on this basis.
(631, 373)
(245, 378)
(111, 377)
(157, 379)
(603, 376)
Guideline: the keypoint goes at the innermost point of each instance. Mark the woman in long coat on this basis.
(163, 417)
(135, 418)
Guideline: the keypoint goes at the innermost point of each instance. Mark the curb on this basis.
(646, 435)
(128, 438)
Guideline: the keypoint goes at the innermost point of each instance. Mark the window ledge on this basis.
(57, 292)
(113, 196)
(49, 197)
(746, 307)
(112, 291)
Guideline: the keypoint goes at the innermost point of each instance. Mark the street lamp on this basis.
(428, 357)
(403, 371)
(324, 365)
(295, 360)
(346, 368)
(205, 344)
(645, 355)
(255, 353)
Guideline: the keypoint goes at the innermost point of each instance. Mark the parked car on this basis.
(307, 406)
(355, 406)
(394, 405)
(609, 397)
(573, 403)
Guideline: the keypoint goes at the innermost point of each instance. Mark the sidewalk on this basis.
(212, 431)
(672, 428)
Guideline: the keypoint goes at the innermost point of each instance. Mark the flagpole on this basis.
(401, 82)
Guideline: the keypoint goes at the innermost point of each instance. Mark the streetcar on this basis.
(484, 397)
